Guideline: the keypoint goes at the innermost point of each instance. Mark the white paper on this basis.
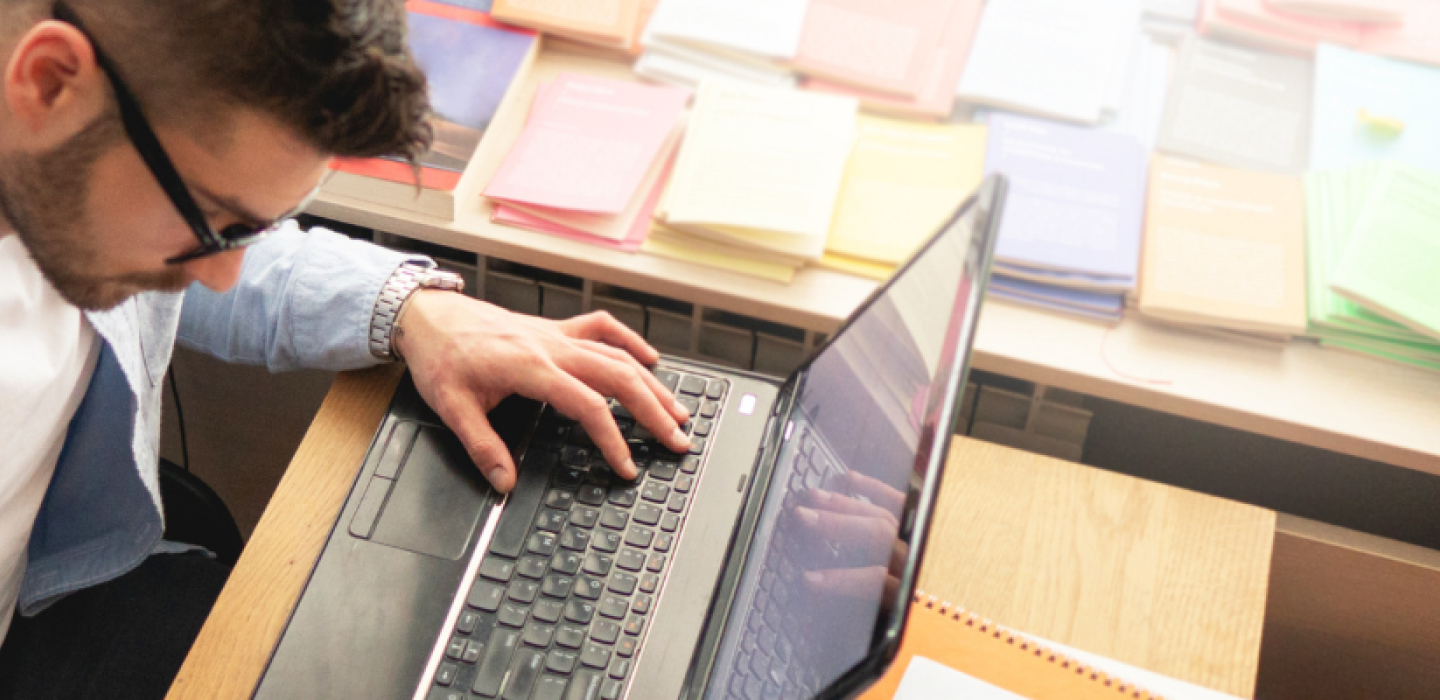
(686, 66)
(1052, 58)
(765, 28)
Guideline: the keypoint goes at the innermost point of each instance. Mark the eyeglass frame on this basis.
(142, 136)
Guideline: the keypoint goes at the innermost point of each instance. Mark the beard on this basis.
(44, 199)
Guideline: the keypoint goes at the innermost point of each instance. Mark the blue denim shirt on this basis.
(304, 300)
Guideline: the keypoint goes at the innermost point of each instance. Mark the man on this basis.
(144, 146)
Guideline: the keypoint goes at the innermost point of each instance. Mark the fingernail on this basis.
(679, 437)
(630, 465)
(680, 408)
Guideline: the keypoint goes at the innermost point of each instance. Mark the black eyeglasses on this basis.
(231, 237)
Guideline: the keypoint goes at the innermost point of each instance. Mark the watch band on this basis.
(402, 285)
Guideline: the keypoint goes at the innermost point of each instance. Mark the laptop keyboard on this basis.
(560, 607)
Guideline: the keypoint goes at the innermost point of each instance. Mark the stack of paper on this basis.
(1224, 247)
(902, 182)
(945, 60)
(1264, 23)
(1370, 107)
(469, 62)
(591, 160)
(1053, 58)
(1238, 107)
(1146, 85)
(610, 23)
(1070, 233)
(688, 41)
(757, 179)
(1334, 201)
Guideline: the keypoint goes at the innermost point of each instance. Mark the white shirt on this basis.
(47, 354)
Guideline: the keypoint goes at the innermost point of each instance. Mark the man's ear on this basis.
(52, 85)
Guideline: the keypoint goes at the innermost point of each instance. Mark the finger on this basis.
(879, 492)
(573, 398)
(870, 538)
(663, 395)
(467, 418)
(602, 327)
(850, 583)
(820, 499)
(618, 379)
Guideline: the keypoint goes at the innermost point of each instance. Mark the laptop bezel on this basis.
(989, 197)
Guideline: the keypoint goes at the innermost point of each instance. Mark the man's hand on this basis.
(466, 356)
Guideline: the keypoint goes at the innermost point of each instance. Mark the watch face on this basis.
(439, 279)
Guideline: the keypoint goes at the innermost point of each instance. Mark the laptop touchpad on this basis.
(437, 498)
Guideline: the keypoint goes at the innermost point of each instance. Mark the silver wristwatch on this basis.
(407, 279)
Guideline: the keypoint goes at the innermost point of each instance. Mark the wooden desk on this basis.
(1150, 575)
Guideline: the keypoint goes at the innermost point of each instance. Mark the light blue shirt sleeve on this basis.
(304, 301)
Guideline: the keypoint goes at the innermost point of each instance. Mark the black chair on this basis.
(194, 514)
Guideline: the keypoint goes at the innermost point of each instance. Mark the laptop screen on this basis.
(828, 561)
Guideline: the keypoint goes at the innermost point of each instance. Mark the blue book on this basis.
(1096, 305)
(1076, 197)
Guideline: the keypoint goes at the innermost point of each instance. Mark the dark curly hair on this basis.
(337, 73)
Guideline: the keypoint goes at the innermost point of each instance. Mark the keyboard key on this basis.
(589, 587)
(512, 615)
(566, 479)
(639, 537)
(497, 569)
(656, 564)
(691, 404)
(605, 632)
(670, 523)
(524, 671)
(622, 583)
(591, 494)
(614, 519)
(561, 661)
(648, 514)
(649, 582)
(598, 564)
(520, 508)
(605, 541)
(565, 562)
(531, 566)
(541, 543)
(557, 586)
(709, 409)
(610, 689)
(715, 389)
(692, 385)
(547, 610)
(684, 483)
(640, 432)
(663, 542)
(469, 621)
(578, 436)
(618, 410)
(626, 647)
(690, 465)
(549, 687)
(631, 560)
(537, 635)
(702, 427)
(595, 656)
(585, 685)
(662, 470)
(486, 596)
(456, 649)
(522, 591)
(584, 517)
(669, 378)
(624, 497)
(446, 694)
(570, 636)
(497, 658)
(575, 539)
(614, 607)
(655, 492)
(677, 503)
(635, 625)
(697, 446)
(574, 456)
(579, 611)
(550, 520)
(560, 500)
(445, 675)
(641, 604)
(620, 668)
(472, 652)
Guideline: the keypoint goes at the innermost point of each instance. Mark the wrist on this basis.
(407, 280)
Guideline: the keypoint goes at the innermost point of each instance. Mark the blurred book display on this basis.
(608, 23)
(1371, 107)
(1408, 29)
(1224, 247)
(886, 46)
(469, 61)
(687, 41)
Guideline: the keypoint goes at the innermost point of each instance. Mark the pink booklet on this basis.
(588, 144)
(635, 236)
(882, 45)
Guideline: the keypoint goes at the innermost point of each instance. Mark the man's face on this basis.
(100, 227)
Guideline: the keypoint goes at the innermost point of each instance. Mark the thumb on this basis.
(486, 448)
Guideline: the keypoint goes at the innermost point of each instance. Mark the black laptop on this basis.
(775, 560)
